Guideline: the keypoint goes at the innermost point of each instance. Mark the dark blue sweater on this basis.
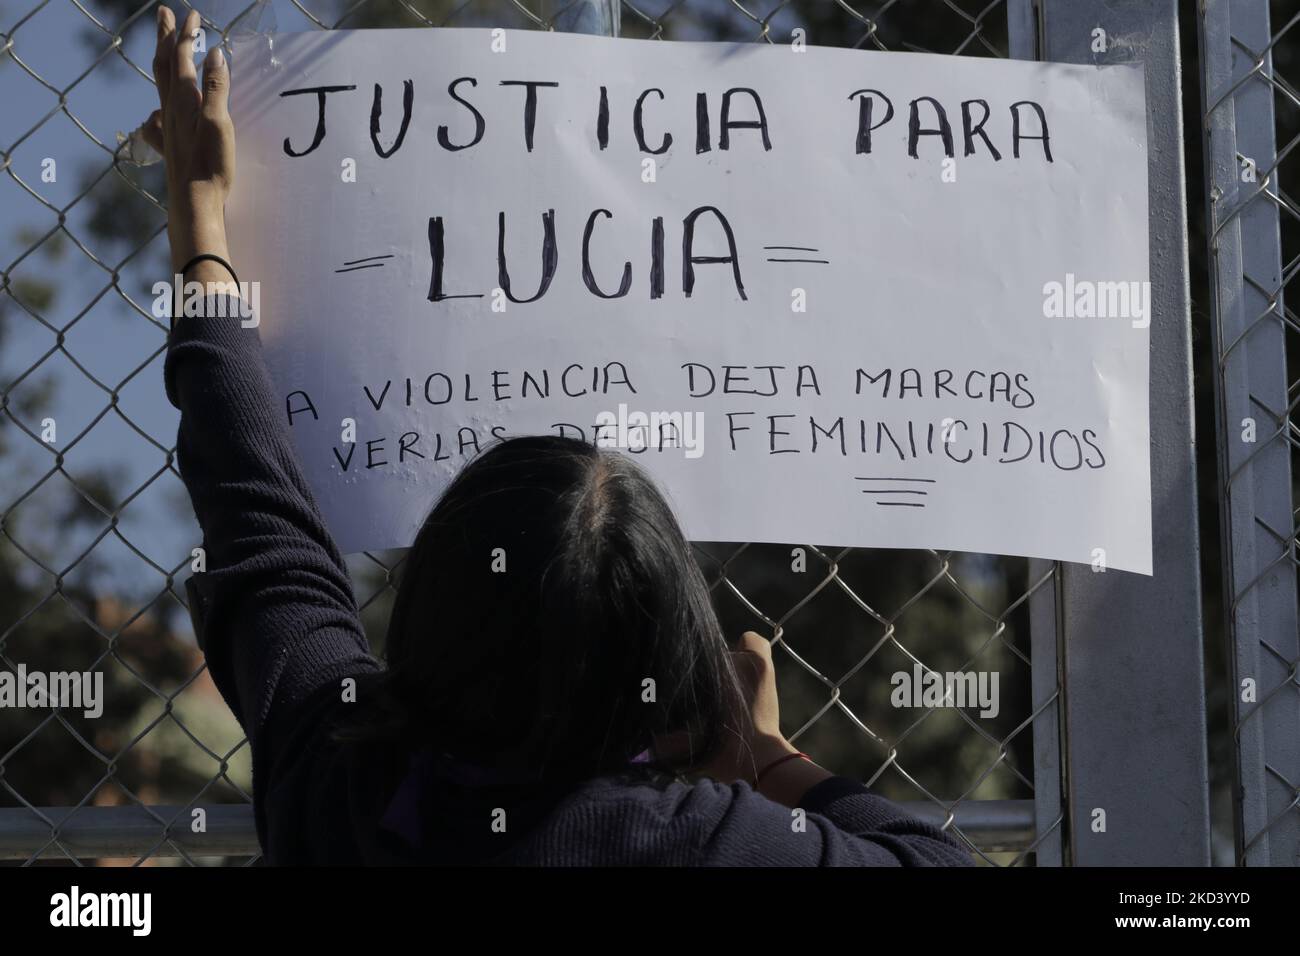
(279, 626)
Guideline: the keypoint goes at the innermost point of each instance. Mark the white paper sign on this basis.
(882, 299)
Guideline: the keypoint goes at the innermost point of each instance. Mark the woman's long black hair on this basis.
(551, 617)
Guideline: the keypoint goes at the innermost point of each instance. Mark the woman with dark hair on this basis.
(555, 671)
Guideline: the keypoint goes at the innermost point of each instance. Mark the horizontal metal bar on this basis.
(992, 825)
(125, 832)
(132, 832)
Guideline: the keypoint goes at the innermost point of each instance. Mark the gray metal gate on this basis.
(1250, 136)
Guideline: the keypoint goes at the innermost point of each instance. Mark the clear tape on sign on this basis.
(244, 20)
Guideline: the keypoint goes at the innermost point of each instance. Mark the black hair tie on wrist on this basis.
(213, 258)
(200, 258)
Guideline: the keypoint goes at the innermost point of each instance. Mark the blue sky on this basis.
(110, 340)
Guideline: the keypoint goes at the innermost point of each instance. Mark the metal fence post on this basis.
(1023, 41)
(1134, 687)
(1251, 384)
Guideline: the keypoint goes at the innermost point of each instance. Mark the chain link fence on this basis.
(96, 533)
(1252, 133)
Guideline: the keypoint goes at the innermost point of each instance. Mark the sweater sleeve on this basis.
(873, 823)
(838, 823)
(281, 620)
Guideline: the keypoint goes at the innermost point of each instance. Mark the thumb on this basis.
(754, 643)
(216, 85)
(152, 131)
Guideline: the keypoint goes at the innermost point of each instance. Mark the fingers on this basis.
(164, 53)
(752, 659)
(216, 85)
(755, 643)
(184, 78)
(152, 131)
(757, 674)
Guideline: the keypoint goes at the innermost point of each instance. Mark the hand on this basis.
(754, 737)
(194, 133)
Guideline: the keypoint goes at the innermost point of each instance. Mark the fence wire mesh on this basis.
(96, 533)
(1252, 132)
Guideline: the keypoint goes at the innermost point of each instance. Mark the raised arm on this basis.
(281, 621)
